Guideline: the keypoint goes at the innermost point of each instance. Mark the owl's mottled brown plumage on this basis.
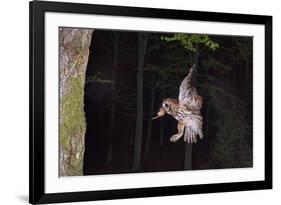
(186, 110)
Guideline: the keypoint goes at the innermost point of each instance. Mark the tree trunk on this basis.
(73, 58)
(151, 111)
(162, 125)
(234, 80)
(142, 39)
(207, 115)
(113, 87)
(206, 121)
(162, 131)
(188, 146)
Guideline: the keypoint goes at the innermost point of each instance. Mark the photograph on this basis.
(130, 102)
(142, 101)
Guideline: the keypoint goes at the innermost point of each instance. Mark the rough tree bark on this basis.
(73, 58)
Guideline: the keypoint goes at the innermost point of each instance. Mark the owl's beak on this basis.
(160, 113)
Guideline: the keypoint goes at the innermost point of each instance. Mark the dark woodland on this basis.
(129, 74)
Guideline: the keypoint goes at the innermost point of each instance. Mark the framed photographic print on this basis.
(140, 102)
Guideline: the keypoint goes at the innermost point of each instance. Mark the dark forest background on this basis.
(128, 76)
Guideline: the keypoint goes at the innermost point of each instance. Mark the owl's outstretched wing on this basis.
(188, 95)
(193, 128)
(189, 98)
(185, 85)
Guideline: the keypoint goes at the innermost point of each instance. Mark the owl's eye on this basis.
(165, 105)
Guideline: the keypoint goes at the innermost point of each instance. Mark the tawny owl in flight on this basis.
(186, 110)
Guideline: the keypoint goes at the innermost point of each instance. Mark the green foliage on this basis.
(231, 133)
(98, 78)
(180, 51)
(188, 41)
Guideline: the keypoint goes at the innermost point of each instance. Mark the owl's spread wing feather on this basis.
(185, 86)
(188, 95)
(189, 98)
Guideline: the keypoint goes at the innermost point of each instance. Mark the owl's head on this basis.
(168, 105)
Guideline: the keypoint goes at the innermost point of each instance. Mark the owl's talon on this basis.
(174, 138)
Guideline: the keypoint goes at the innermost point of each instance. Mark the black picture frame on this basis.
(37, 194)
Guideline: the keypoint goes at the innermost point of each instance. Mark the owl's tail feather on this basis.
(190, 136)
(193, 128)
